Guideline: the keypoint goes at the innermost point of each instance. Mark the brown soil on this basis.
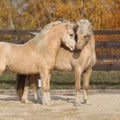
(103, 107)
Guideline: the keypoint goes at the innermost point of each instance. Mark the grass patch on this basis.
(65, 80)
(98, 80)
(105, 80)
(7, 80)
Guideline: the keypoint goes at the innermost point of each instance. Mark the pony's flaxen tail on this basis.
(20, 83)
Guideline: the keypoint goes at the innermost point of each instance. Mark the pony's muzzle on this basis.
(78, 48)
(72, 48)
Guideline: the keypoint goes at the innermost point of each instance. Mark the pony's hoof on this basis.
(36, 101)
(47, 103)
(51, 102)
(77, 103)
(23, 101)
(40, 101)
(26, 101)
(86, 102)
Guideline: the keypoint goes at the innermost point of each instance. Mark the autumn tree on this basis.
(34, 14)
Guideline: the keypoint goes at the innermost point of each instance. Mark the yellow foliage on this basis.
(104, 14)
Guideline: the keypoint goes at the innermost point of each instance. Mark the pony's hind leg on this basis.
(34, 85)
(24, 98)
(86, 85)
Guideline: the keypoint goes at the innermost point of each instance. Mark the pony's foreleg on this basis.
(86, 85)
(44, 77)
(49, 97)
(25, 93)
(78, 72)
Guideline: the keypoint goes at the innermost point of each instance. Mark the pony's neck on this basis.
(91, 43)
(49, 42)
(54, 41)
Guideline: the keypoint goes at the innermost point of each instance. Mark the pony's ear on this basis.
(77, 23)
(63, 20)
(75, 26)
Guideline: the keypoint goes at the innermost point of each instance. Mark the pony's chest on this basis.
(82, 58)
(63, 65)
(88, 62)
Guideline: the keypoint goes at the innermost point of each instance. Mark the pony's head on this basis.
(84, 32)
(58, 30)
(68, 37)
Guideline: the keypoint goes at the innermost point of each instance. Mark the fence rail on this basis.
(28, 32)
(109, 32)
(17, 32)
(107, 67)
(104, 66)
(108, 44)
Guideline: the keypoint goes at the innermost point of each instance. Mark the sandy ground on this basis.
(103, 107)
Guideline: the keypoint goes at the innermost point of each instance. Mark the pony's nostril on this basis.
(73, 48)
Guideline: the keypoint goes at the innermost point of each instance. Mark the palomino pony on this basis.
(38, 55)
(81, 61)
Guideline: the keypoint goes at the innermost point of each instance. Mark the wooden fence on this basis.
(103, 45)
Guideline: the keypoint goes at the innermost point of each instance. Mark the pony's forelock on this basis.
(85, 26)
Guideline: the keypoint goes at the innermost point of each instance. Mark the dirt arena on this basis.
(105, 106)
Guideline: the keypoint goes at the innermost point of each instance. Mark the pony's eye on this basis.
(86, 36)
(71, 35)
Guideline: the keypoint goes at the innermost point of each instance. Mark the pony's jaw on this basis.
(71, 44)
(80, 44)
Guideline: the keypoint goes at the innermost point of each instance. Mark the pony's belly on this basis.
(63, 67)
(23, 70)
(63, 60)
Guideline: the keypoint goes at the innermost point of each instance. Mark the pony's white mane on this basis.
(42, 34)
(85, 26)
(84, 21)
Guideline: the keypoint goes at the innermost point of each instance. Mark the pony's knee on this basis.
(77, 87)
(44, 89)
(86, 86)
(44, 86)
